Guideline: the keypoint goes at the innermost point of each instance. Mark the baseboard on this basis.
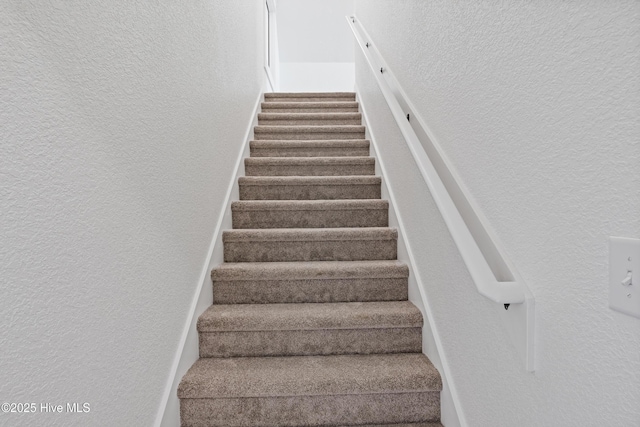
(450, 403)
(187, 353)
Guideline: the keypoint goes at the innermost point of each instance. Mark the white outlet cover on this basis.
(624, 257)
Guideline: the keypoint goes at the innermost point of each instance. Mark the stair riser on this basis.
(309, 122)
(306, 136)
(312, 99)
(311, 291)
(310, 218)
(270, 108)
(353, 409)
(310, 170)
(283, 251)
(310, 342)
(322, 106)
(310, 152)
(309, 192)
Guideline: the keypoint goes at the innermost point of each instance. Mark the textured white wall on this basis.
(315, 45)
(536, 103)
(120, 123)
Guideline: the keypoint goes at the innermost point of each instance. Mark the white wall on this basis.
(317, 76)
(117, 149)
(315, 45)
(536, 104)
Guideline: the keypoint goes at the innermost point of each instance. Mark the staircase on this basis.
(310, 323)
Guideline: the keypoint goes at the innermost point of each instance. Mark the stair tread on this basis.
(309, 161)
(319, 187)
(310, 316)
(305, 118)
(309, 148)
(309, 94)
(309, 281)
(309, 205)
(309, 376)
(309, 129)
(310, 244)
(310, 234)
(301, 116)
(309, 104)
(310, 270)
(309, 180)
(309, 143)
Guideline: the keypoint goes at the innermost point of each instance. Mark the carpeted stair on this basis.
(310, 323)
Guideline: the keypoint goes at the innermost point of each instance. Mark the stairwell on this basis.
(310, 323)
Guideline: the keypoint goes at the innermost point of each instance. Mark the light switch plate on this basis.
(624, 257)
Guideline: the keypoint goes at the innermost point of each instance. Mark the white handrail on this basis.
(493, 276)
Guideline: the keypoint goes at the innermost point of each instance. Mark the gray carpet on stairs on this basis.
(319, 281)
(309, 148)
(310, 213)
(310, 323)
(308, 132)
(309, 166)
(321, 118)
(310, 107)
(309, 187)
